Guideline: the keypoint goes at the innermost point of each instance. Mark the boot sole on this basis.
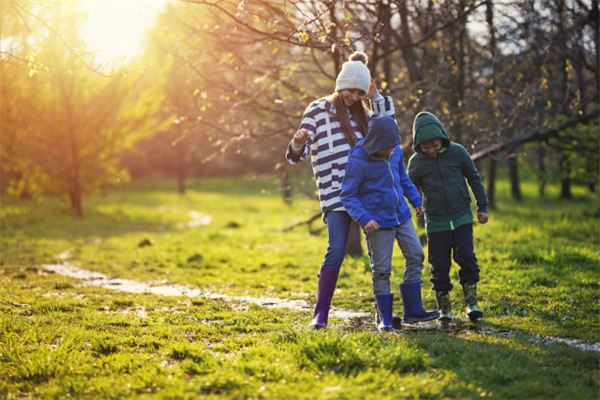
(412, 320)
(396, 321)
(475, 316)
(445, 324)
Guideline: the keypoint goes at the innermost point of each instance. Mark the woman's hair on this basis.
(359, 114)
(358, 110)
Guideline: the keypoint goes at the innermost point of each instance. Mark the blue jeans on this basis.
(338, 226)
(381, 247)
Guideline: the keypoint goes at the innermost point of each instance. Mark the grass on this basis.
(58, 339)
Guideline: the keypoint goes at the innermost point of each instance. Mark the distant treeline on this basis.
(223, 86)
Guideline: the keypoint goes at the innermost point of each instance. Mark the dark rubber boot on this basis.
(327, 280)
(443, 301)
(470, 295)
(413, 304)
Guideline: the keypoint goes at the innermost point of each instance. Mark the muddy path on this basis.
(353, 318)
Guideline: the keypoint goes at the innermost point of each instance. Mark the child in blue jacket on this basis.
(373, 192)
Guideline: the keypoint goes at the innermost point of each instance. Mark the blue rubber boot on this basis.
(384, 310)
(413, 305)
(327, 280)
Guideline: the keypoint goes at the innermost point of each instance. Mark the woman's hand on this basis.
(371, 226)
(372, 88)
(300, 137)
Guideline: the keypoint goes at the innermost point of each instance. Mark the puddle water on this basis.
(91, 278)
(196, 219)
(65, 255)
(546, 339)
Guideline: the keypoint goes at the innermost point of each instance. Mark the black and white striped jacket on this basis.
(329, 149)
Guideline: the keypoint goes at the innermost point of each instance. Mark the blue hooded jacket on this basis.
(374, 188)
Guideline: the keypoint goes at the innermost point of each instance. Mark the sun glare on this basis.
(115, 31)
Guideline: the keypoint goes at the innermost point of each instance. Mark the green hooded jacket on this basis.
(441, 179)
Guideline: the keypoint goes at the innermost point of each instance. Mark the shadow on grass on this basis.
(51, 219)
(512, 370)
(463, 364)
(95, 225)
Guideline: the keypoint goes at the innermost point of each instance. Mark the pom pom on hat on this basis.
(354, 73)
(359, 56)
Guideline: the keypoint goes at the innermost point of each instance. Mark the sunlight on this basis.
(115, 30)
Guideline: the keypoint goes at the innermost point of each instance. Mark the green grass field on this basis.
(59, 339)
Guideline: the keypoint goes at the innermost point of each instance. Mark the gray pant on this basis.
(381, 247)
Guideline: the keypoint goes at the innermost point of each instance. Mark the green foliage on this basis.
(579, 146)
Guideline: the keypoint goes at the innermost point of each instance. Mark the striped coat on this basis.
(328, 148)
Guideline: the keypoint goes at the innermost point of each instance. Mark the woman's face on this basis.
(351, 96)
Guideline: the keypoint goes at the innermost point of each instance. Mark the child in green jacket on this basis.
(439, 169)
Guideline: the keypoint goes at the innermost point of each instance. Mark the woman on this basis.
(330, 127)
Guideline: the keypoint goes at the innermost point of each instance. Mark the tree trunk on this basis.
(387, 41)
(513, 173)
(563, 93)
(354, 248)
(458, 73)
(181, 188)
(405, 39)
(25, 194)
(75, 200)
(335, 55)
(578, 67)
(181, 165)
(75, 193)
(541, 171)
(491, 184)
(374, 57)
(595, 18)
(592, 186)
(565, 180)
(565, 188)
(286, 186)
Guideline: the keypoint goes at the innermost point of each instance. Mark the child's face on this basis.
(431, 147)
(385, 153)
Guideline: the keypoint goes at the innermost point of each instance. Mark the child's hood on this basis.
(383, 134)
(427, 126)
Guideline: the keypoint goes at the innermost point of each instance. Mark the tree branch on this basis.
(545, 134)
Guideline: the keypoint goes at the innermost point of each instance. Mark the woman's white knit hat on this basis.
(354, 75)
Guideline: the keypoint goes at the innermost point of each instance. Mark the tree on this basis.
(71, 131)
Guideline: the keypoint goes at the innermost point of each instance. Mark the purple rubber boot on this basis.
(327, 280)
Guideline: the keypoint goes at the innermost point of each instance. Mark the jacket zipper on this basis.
(437, 160)
(393, 183)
